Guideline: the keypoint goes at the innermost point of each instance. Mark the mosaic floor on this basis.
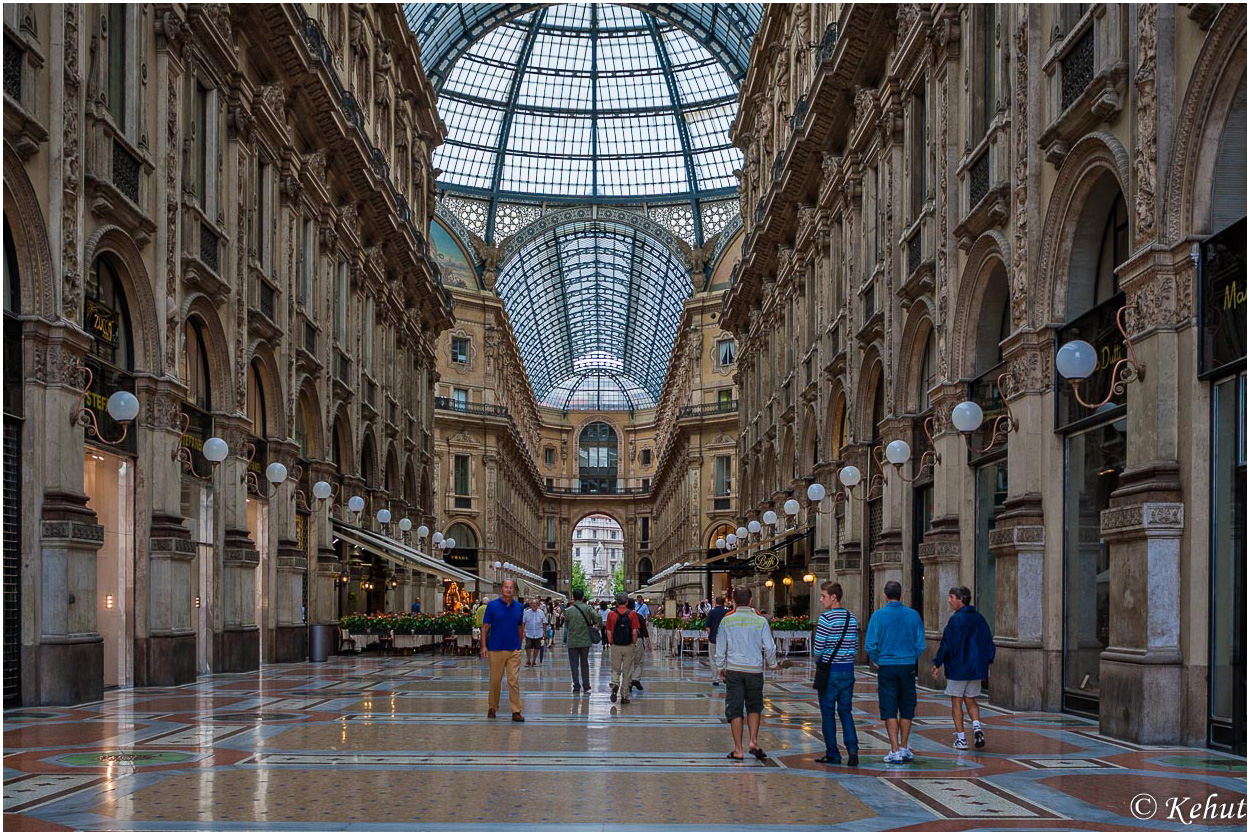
(404, 743)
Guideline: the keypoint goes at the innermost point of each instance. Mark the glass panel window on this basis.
(1228, 565)
(724, 397)
(200, 132)
(462, 475)
(725, 351)
(549, 456)
(1093, 462)
(308, 263)
(340, 304)
(459, 349)
(262, 216)
(722, 476)
(460, 399)
(117, 61)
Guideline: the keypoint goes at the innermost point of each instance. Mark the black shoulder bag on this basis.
(595, 636)
(821, 682)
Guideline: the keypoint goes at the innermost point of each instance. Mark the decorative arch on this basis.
(809, 439)
(834, 420)
(308, 412)
(1094, 155)
(133, 275)
(369, 463)
(341, 443)
(978, 286)
(917, 332)
(1219, 75)
(716, 530)
(217, 346)
(30, 239)
(275, 401)
(871, 375)
(391, 476)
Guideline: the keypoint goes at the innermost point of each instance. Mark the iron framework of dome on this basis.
(595, 307)
(579, 103)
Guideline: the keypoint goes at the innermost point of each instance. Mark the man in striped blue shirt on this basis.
(837, 642)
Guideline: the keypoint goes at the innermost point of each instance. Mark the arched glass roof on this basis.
(595, 306)
(587, 102)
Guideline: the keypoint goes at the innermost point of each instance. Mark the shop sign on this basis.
(766, 561)
(1222, 300)
(1099, 328)
(101, 322)
(466, 558)
(105, 381)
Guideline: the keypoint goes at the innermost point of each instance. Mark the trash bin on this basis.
(320, 641)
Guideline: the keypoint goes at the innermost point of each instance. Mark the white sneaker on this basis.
(961, 744)
(906, 754)
(893, 757)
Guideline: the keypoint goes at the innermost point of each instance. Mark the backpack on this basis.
(622, 630)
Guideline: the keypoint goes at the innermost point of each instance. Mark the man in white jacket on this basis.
(744, 646)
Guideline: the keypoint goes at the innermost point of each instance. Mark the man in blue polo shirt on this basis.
(502, 630)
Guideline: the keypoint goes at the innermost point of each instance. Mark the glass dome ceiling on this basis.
(595, 306)
(587, 102)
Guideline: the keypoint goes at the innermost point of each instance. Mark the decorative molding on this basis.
(1145, 161)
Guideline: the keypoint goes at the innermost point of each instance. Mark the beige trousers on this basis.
(622, 663)
(509, 660)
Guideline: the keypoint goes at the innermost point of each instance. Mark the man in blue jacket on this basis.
(967, 650)
(894, 643)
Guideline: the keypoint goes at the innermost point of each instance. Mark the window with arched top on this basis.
(106, 315)
(301, 428)
(338, 443)
(928, 375)
(195, 370)
(256, 401)
(878, 409)
(366, 460)
(597, 458)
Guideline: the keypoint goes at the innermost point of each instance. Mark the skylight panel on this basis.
(709, 126)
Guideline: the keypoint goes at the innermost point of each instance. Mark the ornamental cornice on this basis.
(1146, 520)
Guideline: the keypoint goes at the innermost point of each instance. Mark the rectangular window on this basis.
(551, 485)
(551, 531)
(725, 351)
(340, 304)
(985, 76)
(459, 349)
(261, 216)
(722, 479)
(460, 399)
(549, 456)
(644, 532)
(724, 397)
(308, 263)
(462, 475)
(200, 134)
(646, 485)
(646, 458)
(919, 152)
(117, 64)
(366, 336)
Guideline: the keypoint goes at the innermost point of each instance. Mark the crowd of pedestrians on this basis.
(741, 648)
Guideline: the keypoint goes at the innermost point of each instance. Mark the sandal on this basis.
(732, 756)
(759, 753)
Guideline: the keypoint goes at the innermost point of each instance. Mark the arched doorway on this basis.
(464, 555)
(598, 552)
(551, 576)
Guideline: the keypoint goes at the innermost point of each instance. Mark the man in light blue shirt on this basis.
(894, 643)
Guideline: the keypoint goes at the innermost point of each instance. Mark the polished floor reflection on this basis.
(404, 742)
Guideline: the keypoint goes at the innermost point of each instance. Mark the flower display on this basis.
(402, 623)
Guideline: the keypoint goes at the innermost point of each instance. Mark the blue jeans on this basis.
(837, 696)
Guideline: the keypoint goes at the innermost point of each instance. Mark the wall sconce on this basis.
(898, 453)
(108, 601)
(809, 578)
(394, 584)
(968, 416)
(342, 579)
(356, 504)
(122, 406)
(437, 538)
(275, 473)
(1077, 359)
(405, 525)
(384, 517)
(788, 580)
(322, 492)
(770, 517)
(366, 585)
(197, 601)
(768, 584)
(214, 451)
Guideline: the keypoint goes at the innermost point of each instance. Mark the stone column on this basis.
(1141, 678)
(289, 633)
(236, 632)
(322, 573)
(62, 652)
(165, 640)
(1018, 677)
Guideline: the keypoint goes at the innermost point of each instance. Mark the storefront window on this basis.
(108, 481)
(991, 495)
(1094, 460)
(1228, 565)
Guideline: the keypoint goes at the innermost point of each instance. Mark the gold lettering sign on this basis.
(767, 561)
(101, 322)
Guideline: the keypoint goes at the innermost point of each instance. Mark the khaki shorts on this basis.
(971, 689)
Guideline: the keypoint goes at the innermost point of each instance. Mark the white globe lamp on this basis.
(791, 507)
(898, 452)
(967, 416)
(355, 504)
(770, 517)
(849, 475)
(276, 473)
(123, 406)
(816, 491)
(216, 450)
(322, 490)
(1076, 360)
